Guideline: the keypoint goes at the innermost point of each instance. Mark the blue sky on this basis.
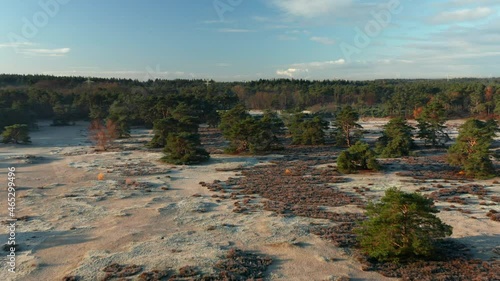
(228, 40)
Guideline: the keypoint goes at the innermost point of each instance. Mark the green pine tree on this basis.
(471, 152)
(431, 124)
(306, 130)
(401, 226)
(357, 157)
(396, 140)
(347, 130)
(184, 148)
(120, 114)
(17, 133)
(250, 134)
(162, 128)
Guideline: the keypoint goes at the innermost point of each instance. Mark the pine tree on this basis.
(161, 129)
(236, 126)
(64, 115)
(357, 157)
(17, 133)
(249, 134)
(182, 118)
(120, 114)
(401, 226)
(306, 130)
(184, 148)
(187, 117)
(271, 126)
(431, 124)
(347, 129)
(471, 152)
(396, 140)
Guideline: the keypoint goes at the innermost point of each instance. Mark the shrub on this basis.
(357, 157)
(401, 226)
(17, 133)
(184, 148)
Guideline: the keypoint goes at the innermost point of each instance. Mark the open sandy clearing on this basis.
(76, 225)
(144, 213)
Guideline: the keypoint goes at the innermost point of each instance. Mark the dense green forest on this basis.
(25, 98)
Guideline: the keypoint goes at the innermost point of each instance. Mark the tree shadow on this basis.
(275, 266)
(50, 239)
(26, 160)
(482, 247)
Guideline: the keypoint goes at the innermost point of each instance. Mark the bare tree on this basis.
(103, 134)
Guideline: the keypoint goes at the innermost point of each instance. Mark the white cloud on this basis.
(15, 44)
(309, 8)
(323, 40)
(320, 64)
(27, 48)
(463, 15)
(291, 71)
(393, 61)
(46, 52)
(301, 68)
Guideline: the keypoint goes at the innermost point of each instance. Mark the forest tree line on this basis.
(31, 97)
(174, 109)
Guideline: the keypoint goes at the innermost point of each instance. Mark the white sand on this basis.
(78, 225)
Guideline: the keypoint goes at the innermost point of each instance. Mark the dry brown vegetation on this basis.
(290, 188)
(236, 265)
(453, 262)
(115, 270)
(493, 215)
(293, 187)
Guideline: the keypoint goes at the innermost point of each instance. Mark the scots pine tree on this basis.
(347, 130)
(431, 124)
(471, 152)
(396, 140)
(248, 134)
(400, 226)
(17, 133)
(184, 148)
(357, 157)
(307, 130)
